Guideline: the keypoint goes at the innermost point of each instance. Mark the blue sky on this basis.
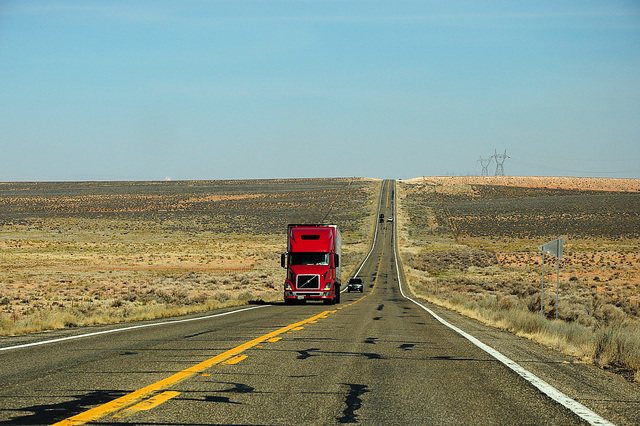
(148, 90)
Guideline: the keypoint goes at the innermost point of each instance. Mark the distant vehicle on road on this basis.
(390, 219)
(355, 284)
(381, 217)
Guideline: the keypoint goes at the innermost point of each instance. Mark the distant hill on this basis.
(594, 184)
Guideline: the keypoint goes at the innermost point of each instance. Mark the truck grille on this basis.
(308, 281)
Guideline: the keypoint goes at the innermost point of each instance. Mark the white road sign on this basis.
(554, 248)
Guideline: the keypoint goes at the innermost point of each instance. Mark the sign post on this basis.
(554, 248)
(542, 288)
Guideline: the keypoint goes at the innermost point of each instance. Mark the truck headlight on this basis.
(327, 286)
(287, 285)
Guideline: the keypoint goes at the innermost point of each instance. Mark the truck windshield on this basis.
(308, 258)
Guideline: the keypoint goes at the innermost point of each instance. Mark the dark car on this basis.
(355, 284)
(381, 218)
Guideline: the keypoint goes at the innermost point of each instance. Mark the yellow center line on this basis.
(379, 263)
(384, 234)
(149, 403)
(134, 397)
(236, 359)
(388, 185)
(375, 282)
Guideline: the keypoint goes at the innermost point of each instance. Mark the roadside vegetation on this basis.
(474, 248)
(87, 253)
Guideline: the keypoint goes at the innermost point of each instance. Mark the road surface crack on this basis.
(354, 402)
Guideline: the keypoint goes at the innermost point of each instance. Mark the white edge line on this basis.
(375, 236)
(553, 393)
(115, 330)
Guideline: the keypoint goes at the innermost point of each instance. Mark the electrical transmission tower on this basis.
(484, 162)
(500, 158)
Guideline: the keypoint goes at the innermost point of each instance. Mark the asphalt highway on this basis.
(378, 357)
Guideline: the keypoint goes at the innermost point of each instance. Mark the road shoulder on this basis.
(608, 394)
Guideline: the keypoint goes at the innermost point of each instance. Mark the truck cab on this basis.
(312, 261)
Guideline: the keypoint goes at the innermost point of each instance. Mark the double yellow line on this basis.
(135, 397)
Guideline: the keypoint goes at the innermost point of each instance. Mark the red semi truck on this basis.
(313, 263)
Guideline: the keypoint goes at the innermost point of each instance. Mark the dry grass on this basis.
(77, 254)
(496, 278)
(75, 279)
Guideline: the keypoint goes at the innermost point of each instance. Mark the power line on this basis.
(500, 159)
(484, 162)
